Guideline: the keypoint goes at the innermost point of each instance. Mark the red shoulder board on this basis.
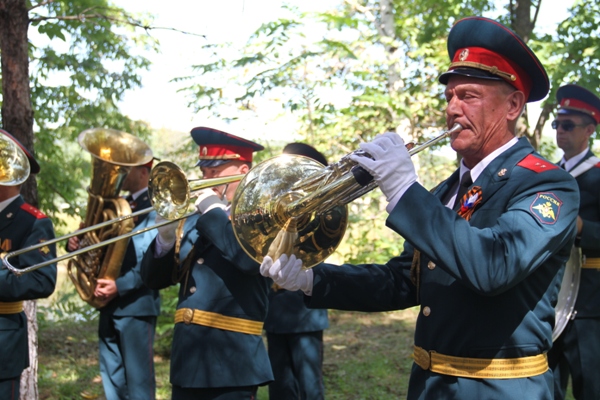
(33, 211)
(536, 164)
(597, 165)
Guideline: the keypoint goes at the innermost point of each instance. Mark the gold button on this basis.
(193, 289)
(188, 316)
(426, 311)
(431, 265)
(200, 260)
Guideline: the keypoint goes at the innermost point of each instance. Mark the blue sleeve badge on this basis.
(546, 208)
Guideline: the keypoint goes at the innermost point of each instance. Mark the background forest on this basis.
(333, 78)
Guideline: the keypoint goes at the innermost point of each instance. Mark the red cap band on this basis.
(225, 152)
(495, 64)
(578, 105)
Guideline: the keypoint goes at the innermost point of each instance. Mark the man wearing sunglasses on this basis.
(577, 350)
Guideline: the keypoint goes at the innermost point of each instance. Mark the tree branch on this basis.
(40, 4)
(129, 21)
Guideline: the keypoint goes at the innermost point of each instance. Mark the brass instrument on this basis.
(286, 199)
(292, 204)
(14, 164)
(113, 154)
(170, 193)
(567, 295)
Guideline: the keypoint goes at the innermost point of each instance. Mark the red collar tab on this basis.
(536, 164)
(33, 211)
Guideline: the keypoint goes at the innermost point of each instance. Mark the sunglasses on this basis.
(566, 124)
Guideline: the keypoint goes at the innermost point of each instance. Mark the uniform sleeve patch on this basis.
(546, 208)
(33, 211)
(536, 164)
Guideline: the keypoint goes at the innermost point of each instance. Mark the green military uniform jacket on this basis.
(221, 279)
(487, 287)
(21, 226)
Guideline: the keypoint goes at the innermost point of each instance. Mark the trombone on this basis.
(170, 193)
(290, 199)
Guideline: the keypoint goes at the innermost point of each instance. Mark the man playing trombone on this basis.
(21, 225)
(485, 266)
(217, 344)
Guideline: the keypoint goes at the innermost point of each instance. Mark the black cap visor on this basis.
(211, 163)
(470, 72)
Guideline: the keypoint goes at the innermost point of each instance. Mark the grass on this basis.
(366, 355)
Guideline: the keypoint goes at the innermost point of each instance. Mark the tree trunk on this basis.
(29, 389)
(17, 112)
(523, 24)
(17, 119)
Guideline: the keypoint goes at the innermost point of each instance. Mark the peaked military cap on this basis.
(218, 147)
(483, 48)
(34, 167)
(574, 99)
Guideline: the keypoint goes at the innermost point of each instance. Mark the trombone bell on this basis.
(170, 191)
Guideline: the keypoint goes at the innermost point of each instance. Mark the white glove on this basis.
(288, 273)
(390, 164)
(166, 233)
(207, 200)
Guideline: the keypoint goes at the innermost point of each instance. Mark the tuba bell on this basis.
(292, 204)
(113, 154)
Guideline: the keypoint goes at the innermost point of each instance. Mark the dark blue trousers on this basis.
(9, 388)
(577, 352)
(127, 357)
(226, 393)
(297, 363)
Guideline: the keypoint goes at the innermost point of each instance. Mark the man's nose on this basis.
(453, 108)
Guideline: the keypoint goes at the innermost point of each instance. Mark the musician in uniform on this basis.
(21, 225)
(295, 332)
(128, 308)
(577, 349)
(484, 270)
(217, 351)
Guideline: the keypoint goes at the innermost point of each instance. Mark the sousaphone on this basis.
(567, 296)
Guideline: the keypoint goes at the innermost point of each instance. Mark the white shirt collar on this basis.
(573, 161)
(481, 165)
(137, 194)
(5, 203)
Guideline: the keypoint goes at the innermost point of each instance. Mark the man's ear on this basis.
(244, 168)
(516, 103)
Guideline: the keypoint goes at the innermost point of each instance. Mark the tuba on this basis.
(113, 154)
(292, 204)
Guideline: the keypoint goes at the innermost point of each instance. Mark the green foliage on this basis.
(366, 67)
(164, 324)
(344, 76)
(84, 56)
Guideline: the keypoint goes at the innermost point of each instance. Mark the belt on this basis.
(591, 263)
(485, 368)
(11, 307)
(214, 320)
